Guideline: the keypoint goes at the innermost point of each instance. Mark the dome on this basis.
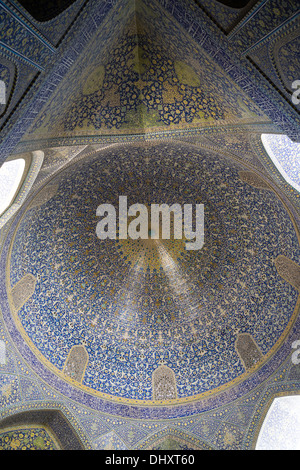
(147, 321)
(150, 256)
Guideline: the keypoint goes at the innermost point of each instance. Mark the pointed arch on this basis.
(288, 270)
(247, 349)
(280, 429)
(17, 182)
(76, 363)
(171, 438)
(164, 384)
(52, 419)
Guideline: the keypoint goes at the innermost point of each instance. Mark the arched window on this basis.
(285, 154)
(11, 173)
(17, 175)
(281, 427)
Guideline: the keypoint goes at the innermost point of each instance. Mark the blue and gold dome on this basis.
(107, 316)
(125, 343)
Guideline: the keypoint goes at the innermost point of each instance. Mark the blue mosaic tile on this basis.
(112, 315)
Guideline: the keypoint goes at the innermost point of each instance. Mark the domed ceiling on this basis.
(141, 342)
(147, 321)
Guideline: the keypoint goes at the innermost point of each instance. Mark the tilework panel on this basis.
(278, 60)
(141, 80)
(227, 52)
(273, 14)
(288, 60)
(31, 438)
(141, 433)
(19, 39)
(110, 441)
(175, 440)
(43, 85)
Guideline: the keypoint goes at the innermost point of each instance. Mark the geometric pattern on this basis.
(34, 61)
(156, 319)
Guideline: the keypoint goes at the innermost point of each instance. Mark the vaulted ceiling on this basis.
(141, 343)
